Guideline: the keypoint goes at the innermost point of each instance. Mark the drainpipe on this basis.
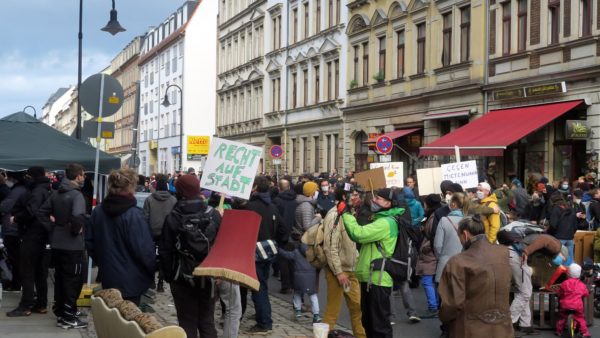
(285, 113)
(486, 8)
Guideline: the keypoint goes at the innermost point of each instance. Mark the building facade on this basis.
(50, 110)
(173, 58)
(415, 71)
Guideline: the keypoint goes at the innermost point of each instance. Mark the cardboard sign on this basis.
(463, 173)
(198, 145)
(429, 181)
(393, 171)
(376, 177)
(231, 167)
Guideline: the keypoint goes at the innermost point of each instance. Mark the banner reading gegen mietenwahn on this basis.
(463, 173)
(198, 145)
(231, 167)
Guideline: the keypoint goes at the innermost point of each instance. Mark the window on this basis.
(329, 81)
(306, 25)
(421, 48)
(400, 54)
(275, 33)
(317, 153)
(305, 154)
(586, 17)
(294, 90)
(356, 51)
(168, 64)
(294, 149)
(447, 39)
(318, 18)
(522, 25)
(506, 28)
(305, 89)
(465, 33)
(275, 84)
(381, 70)
(174, 60)
(338, 10)
(317, 83)
(295, 27)
(336, 63)
(365, 74)
(554, 20)
(330, 22)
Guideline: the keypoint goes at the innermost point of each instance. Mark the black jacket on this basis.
(14, 203)
(119, 241)
(166, 248)
(4, 191)
(595, 210)
(272, 226)
(563, 222)
(26, 217)
(286, 205)
(324, 203)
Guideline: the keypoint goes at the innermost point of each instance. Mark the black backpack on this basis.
(403, 261)
(195, 235)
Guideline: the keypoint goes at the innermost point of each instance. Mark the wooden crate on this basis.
(545, 307)
(584, 245)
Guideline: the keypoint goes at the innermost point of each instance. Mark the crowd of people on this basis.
(468, 247)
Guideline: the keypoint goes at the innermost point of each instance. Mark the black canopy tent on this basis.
(26, 142)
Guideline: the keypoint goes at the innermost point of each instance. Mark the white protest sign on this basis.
(429, 180)
(463, 173)
(393, 171)
(231, 167)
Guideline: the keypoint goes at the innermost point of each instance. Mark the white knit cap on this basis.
(574, 270)
(485, 186)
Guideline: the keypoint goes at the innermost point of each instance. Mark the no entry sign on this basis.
(384, 144)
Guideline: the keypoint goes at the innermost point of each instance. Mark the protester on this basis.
(63, 215)
(475, 286)
(521, 199)
(427, 260)
(156, 208)
(375, 286)
(446, 241)
(119, 239)
(325, 200)
(340, 273)
(360, 206)
(594, 208)
(416, 209)
(570, 297)
(286, 205)
(33, 258)
(491, 222)
(193, 296)
(306, 215)
(563, 224)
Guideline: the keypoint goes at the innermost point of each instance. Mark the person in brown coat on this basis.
(475, 286)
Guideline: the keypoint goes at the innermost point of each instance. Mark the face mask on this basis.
(375, 207)
(565, 186)
(480, 195)
(577, 201)
(448, 198)
(324, 189)
(10, 184)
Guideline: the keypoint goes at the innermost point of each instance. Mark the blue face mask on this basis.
(558, 260)
(375, 207)
(565, 186)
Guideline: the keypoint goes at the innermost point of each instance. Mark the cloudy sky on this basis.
(38, 43)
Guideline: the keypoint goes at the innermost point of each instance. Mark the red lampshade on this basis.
(232, 257)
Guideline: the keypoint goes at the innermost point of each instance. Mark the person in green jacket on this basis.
(375, 288)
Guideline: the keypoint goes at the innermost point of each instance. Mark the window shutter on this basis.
(567, 18)
(492, 46)
(534, 38)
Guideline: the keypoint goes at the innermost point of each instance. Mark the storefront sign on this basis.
(577, 130)
(509, 94)
(231, 167)
(393, 171)
(463, 173)
(546, 89)
(198, 145)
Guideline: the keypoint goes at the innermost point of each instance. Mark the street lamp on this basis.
(166, 103)
(113, 27)
(34, 111)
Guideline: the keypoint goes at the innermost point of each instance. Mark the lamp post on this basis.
(166, 103)
(34, 111)
(113, 27)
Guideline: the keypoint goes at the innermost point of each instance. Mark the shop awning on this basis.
(393, 134)
(490, 134)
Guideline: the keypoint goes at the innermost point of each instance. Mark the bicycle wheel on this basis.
(570, 328)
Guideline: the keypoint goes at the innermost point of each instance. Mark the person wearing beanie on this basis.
(376, 286)
(521, 199)
(570, 296)
(156, 208)
(309, 189)
(491, 222)
(194, 301)
(416, 209)
(563, 223)
(306, 215)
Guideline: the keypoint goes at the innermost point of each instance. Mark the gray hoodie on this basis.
(156, 208)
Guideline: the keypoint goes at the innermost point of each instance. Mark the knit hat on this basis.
(516, 182)
(386, 193)
(455, 187)
(309, 189)
(485, 186)
(433, 201)
(408, 193)
(188, 187)
(574, 270)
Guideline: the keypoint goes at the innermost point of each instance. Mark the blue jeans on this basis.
(262, 305)
(427, 281)
(570, 244)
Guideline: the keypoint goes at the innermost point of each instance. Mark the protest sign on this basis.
(371, 179)
(429, 180)
(231, 167)
(463, 173)
(393, 171)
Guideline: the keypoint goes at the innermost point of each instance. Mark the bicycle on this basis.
(571, 330)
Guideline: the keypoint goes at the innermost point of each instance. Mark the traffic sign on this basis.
(276, 151)
(112, 97)
(384, 144)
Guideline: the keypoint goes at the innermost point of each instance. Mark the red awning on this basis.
(393, 134)
(490, 134)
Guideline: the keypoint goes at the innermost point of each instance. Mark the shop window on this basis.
(361, 152)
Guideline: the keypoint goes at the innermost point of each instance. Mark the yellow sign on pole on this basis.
(198, 145)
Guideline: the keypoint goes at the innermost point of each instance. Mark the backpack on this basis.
(314, 238)
(403, 261)
(515, 232)
(195, 235)
(503, 218)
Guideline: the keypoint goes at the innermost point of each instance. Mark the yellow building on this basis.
(415, 72)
